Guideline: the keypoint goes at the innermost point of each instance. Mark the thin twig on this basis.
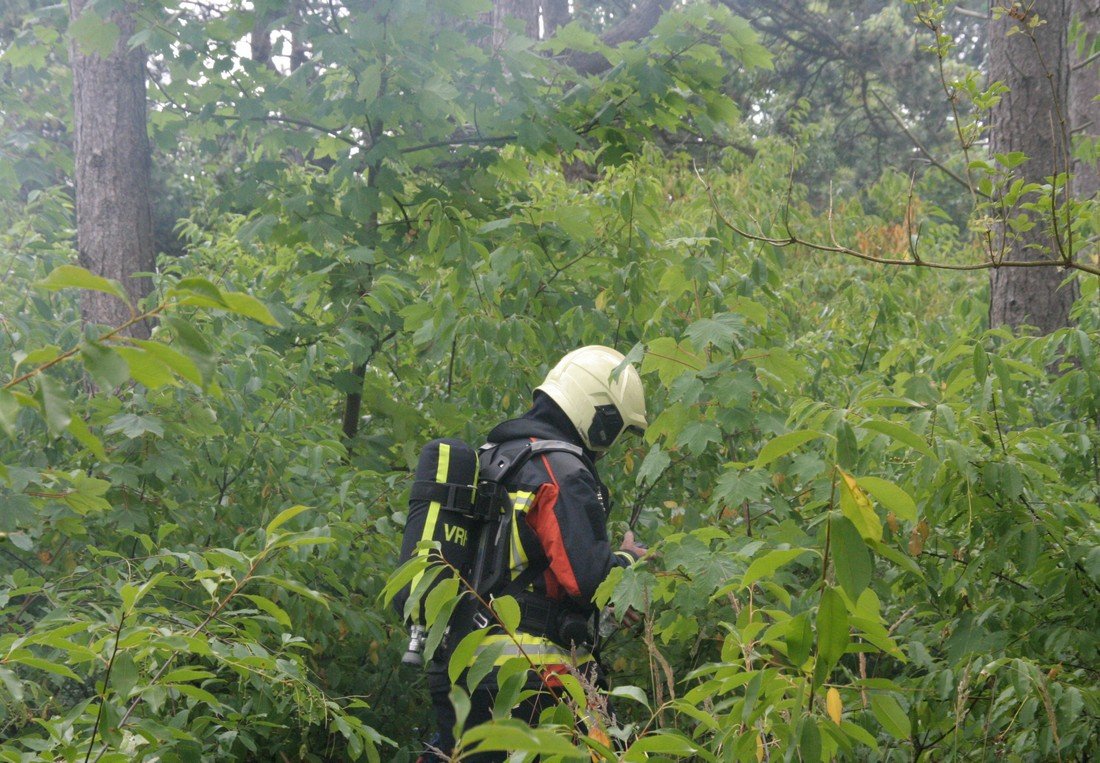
(103, 696)
(792, 239)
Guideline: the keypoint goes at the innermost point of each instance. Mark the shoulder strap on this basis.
(491, 559)
(500, 471)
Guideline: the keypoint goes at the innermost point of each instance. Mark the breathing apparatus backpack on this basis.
(460, 500)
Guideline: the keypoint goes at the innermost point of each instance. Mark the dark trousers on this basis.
(481, 710)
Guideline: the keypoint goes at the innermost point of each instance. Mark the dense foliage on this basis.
(874, 520)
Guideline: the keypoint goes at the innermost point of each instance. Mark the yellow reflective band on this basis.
(521, 503)
(521, 500)
(441, 470)
(519, 556)
(539, 650)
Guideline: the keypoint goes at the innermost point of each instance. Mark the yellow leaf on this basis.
(855, 505)
(598, 735)
(761, 752)
(833, 705)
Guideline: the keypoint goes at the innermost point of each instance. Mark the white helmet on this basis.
(600, 407)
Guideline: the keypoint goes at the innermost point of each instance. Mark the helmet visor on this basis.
(607, 425)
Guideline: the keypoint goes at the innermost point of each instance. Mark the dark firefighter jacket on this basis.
(560, 523)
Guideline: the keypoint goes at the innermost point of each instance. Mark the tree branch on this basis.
(637, 24)
(792, 239)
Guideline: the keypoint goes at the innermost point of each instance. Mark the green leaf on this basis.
(9, 410)
(283, 517)
(54, 402)
(12, 683)
(295, 587)
(847, 449)
(94, 35)
(131, 594)
(899, 433)
(73, 277)
(442, 607)
(631, 692)
(249, 306)
(463, 654)
(809, 741)
(195, 693)
(851, 559)
(654, 464)
(507, 610)
(36, 357)
(87, 494)
(889, 713)
(416, 566)
(174, 359)
(208, 293)
(857, 507)
(82, 434)
(515, 736)
(106, 367)
(799, 639)
(271, 608)
(766, 565)
(24, 657)
(146, 369)
(670, 359)
(669, 742)
(832, 629)
(133, 426)
(891, 496)
(859, 734)
(444, 593)
(721, 330)
(124, 674)
(784, 444)
(484, 663)
(188, 337)
(981, 363)
(188, 673)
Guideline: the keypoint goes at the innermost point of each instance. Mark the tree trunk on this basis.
(1084, 86)
(114, 221)
(526, 11)
(1030, 118)
(555, 14)
(636, 25)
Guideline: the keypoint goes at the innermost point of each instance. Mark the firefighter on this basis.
(559, 551)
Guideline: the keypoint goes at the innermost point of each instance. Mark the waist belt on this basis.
(538, 616)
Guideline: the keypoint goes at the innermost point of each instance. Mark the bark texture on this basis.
(1031, 118)
(526, 11)
(114, 218)
(555, 14)
(1084, 86)
(636, 25)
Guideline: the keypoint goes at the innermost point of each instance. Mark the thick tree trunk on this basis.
(636, 25)
(114, 220)
(1084, 86)
(1030, 118)
(526, 11)
(555, 14)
